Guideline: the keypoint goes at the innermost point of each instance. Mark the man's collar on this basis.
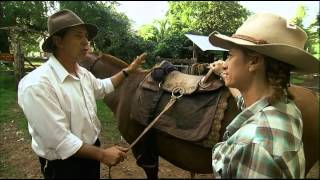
(61, 72)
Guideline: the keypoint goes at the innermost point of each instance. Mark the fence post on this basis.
(18, 64)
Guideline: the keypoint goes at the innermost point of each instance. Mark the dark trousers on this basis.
(72, 167)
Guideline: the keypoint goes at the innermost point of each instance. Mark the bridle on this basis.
(94, 63)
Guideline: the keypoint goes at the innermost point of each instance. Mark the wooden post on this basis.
(18, 64)
(18, 54)
(194, 53)
(17, 51)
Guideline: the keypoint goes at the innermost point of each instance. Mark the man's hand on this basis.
(136, 63)
(119, 77)
(113, 155)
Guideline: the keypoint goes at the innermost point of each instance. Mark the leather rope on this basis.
(165, 109)
(248, 38)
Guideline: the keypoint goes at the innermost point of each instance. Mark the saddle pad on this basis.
(177, 79)
(190, 118)
(190, 83)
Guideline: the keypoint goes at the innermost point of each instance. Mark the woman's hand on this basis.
(217, 67)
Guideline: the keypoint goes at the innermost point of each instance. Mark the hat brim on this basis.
(300, 59)
(92, 30)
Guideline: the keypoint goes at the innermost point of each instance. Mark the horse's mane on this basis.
(117, 62)
(112, 59)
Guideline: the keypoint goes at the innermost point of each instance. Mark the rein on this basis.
(98, 58)
(177, 93)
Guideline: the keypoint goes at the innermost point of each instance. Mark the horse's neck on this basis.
(125, 92)
(107, 65)
(113, 62)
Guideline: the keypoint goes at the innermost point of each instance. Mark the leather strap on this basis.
(248, 38)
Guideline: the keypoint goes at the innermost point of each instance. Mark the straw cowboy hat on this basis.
(64, 19)
(273, 36)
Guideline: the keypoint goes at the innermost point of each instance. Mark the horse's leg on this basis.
(192, 175)
(151, 171)
(146, 154)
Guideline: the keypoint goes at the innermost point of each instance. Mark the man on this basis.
(265, 139)
(58, 100)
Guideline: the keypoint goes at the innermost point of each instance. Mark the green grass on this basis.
(7, 97)
(296, 80)
(108, 122)
(5, 169)
(9, 108)
(9, 111)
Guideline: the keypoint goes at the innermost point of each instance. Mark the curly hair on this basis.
(278, 77)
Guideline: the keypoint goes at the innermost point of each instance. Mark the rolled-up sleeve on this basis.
(50, 128)
(101, 87)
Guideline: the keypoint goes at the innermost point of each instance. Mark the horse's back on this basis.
(308, 103)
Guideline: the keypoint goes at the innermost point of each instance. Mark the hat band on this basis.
(248, 38)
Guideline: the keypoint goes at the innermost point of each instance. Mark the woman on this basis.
(265, 139)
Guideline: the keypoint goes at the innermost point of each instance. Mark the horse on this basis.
(178, 151)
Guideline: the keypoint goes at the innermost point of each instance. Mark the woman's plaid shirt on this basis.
(263, 141)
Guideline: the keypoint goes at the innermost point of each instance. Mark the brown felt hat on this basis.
(273, 36)
(64, 19)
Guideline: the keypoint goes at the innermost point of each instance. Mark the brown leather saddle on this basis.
(191, 117)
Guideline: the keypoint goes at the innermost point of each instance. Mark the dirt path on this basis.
(19, 162)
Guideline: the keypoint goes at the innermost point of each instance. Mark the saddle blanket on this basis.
(190, 118)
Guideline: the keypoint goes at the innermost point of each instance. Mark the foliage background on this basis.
(164, 37)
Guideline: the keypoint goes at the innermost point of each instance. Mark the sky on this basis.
(145, 12)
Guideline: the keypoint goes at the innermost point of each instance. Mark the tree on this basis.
(314, 37)
(30, 17)
(115, 35)
(205, 17)
(312, 44)
(195, 17)
(148, 32)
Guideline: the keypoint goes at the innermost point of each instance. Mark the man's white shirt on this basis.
(61, 108)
